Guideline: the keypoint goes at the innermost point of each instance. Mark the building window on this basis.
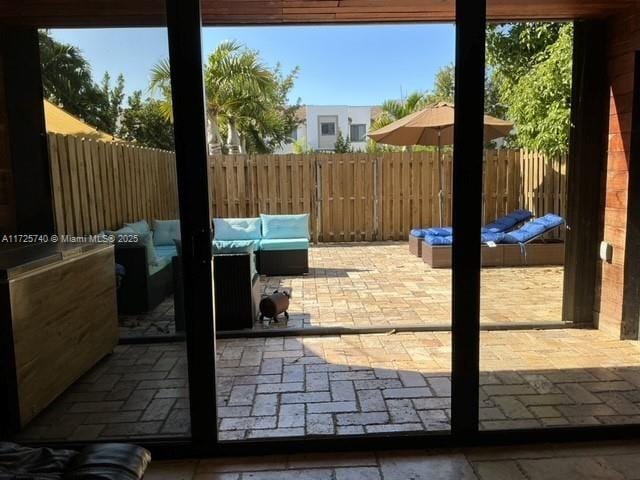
(327, 128)
(294, 134)
(358, 132)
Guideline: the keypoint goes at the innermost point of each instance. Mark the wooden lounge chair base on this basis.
(532, 254)
(415, 245)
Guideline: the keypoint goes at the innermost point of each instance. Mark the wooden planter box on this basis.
(547, 253)
(58, 318)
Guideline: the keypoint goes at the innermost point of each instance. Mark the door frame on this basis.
(185, 44)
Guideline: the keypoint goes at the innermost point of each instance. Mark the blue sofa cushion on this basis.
(159, 264)
(418, 232)
(146, 239)
(533, 229)
(271, 244)
(285, 226)
(165, 231)
(509, 221)
(141, 227)
(236, 228)
(166, 251)
(122, 235)
(234, 246)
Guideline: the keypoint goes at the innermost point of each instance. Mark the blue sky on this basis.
(354, 65)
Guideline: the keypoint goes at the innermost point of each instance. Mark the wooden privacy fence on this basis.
(364, 197)
(100, 185)
(350, 197)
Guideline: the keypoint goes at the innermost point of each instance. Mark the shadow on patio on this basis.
(353, 384)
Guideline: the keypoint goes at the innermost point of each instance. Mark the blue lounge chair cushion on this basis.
(439, 240)
(439, 232)
(495, 237)
(502, 224)
(534, 229)
(236, 228)
(509, 221)
(285, 226)
(418, 232)
(271, 244)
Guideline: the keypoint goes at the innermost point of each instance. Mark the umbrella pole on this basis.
(441, 184)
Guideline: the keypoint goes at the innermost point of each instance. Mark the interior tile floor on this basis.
(353, 384)
(380, 284)
(602, 460)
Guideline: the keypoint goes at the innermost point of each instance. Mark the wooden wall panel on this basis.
(45, 13)
(623, 40)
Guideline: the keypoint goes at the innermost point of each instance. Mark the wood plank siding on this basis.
(46, 13)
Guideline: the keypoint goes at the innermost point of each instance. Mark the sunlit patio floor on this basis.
(353, 384)
(383, 285)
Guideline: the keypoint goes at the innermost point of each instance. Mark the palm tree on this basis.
(66, 75)
(160, 83)
(238, 88)
(393, 110)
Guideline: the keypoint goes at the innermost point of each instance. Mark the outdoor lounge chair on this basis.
(502, 224)
(523, 246)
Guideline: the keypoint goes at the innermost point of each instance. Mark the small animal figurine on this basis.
(273, 305)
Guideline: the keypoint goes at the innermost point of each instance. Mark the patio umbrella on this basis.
(434, 126)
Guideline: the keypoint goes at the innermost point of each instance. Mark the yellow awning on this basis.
(59, 121)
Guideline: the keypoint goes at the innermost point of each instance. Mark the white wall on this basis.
(309, 131)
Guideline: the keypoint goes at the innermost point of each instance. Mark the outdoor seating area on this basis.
(150, 272)
(510, 241)
(280, 242)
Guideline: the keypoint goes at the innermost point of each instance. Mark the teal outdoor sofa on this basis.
(146, 254)
(280, 243)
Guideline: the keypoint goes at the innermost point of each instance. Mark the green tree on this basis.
(443, 86)
(66, 75)
(244, 96)
(342, 145)
(393, 110)
(531, 66)
(110, 103)
(444, 91)
(67, 82)
(145, 123)
(160, 84)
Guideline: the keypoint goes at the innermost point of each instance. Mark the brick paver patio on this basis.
(382, 285)
(354, 384)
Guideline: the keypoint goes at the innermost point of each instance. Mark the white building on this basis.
(319, 126)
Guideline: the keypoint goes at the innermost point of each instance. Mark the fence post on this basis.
(318, 199)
